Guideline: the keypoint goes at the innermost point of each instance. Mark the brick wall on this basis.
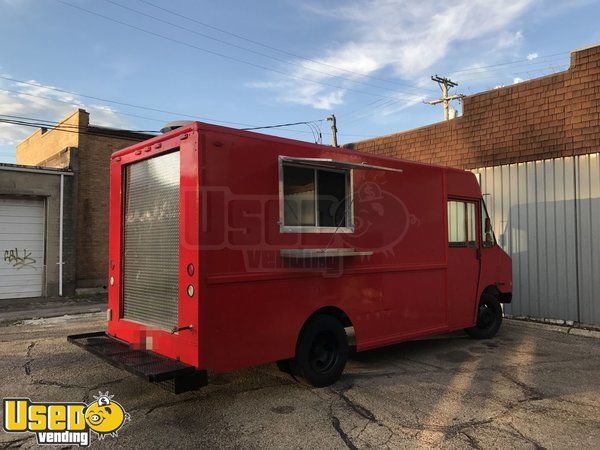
(553, 116)
(93, 160)
(42, 147)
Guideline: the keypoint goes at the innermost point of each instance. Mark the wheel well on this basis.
(491, 289)
(502, 297)
(340, 315)
(334, 312)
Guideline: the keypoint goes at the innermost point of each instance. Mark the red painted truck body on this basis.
(243, 290)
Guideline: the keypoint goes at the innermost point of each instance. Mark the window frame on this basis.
(477, 228)
(349, 228)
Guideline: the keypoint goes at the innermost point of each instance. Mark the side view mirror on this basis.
(488, 225)
(489, 240)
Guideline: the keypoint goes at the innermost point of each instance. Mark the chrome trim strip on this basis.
(322, 252)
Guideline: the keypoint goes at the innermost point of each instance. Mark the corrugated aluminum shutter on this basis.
(151, 241)
(22, 224)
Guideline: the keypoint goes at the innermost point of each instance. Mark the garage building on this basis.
(33, 243)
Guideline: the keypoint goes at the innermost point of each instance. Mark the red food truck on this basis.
(230, 249)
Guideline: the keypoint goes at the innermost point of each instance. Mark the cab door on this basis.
(464, 259)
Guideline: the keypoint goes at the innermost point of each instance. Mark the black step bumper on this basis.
(172, 375)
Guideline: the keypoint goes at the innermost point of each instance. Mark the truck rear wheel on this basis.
(322, 351)
(489, 318)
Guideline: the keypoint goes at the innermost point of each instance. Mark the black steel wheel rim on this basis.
(323, 354)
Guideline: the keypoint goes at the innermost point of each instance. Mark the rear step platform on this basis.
(171, 375)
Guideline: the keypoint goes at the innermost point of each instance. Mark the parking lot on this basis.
(528, 388)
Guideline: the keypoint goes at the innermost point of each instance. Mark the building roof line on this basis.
(35, 169)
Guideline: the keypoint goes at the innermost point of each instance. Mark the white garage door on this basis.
(21, 247)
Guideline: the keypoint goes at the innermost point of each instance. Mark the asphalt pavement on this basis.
(530, 387)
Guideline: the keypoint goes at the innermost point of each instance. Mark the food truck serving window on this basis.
(316, 194)
(316, 198)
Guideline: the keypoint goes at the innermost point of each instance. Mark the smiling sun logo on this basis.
(60, 423)
(105, 416)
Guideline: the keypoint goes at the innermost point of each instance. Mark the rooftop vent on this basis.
(174, 125)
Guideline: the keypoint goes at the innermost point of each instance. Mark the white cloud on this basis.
(532, 56)
(507, 39)
(42, 102)
(403, 36)
(517, 80)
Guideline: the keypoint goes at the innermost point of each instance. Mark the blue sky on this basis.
(369, 62)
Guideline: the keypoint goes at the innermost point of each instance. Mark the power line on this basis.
(44, 123)
(270, 47)
(131, 105)
(187, 44)
(507, 69)
(496, 76)
(369, 112)
(276, 126)
(70, 130)
(113, 132)
(73, 103)
(162, 121)
(509, 62)
(265, 55)
(362, 108)
(120, 103)
(115, 102)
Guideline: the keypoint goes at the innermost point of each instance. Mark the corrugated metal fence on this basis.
(546, 215)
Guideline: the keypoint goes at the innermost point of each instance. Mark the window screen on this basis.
(315, 197)
(462, 224)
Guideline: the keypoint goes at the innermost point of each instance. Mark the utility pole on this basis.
(445, 85)
(333, 130)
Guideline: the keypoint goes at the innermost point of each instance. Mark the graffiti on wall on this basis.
(17, 260)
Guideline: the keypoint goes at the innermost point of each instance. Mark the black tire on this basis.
(284, 365)
(489, 318)
(321, 351)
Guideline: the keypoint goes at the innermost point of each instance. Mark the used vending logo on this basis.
(58, 423)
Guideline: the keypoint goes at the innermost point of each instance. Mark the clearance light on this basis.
(112, 281)
(190, 290)
(190, 269)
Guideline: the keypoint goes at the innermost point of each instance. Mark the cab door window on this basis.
(462, 224)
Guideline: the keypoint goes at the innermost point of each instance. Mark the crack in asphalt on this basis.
(529, 392)
(335, 422)
(202, 396)
(357, 408)
(361, 411)
(86, 397)
(532, 441)
(27, 365)
(16, 443)
(58, 384)
(449, 432)
(472, 441)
